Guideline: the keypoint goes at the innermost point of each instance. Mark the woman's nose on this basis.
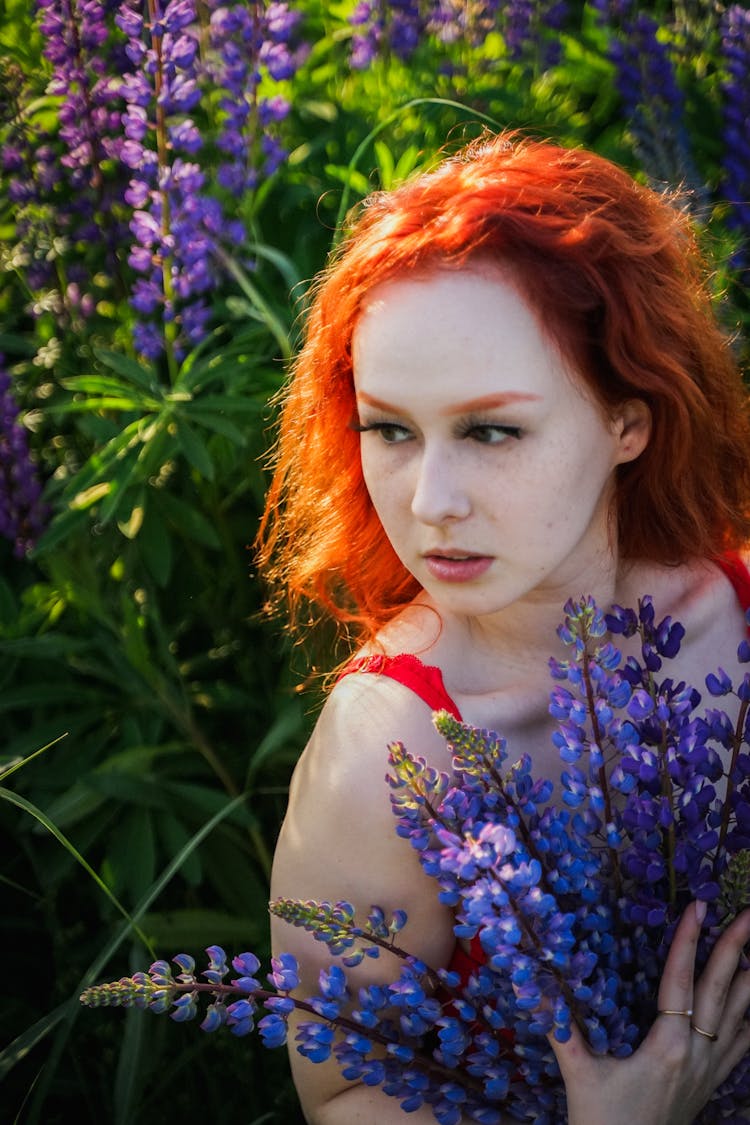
(438, 492)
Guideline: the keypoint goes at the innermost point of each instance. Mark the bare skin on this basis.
(491, 633)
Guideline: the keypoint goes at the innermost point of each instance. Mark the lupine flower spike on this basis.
(573, 896)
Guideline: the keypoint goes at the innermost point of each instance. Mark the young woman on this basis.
(512, 391)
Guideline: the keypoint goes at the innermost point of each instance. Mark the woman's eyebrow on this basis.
(486, 402)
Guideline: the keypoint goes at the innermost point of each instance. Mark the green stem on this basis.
(374, 133)
(737, 742)
(670, 836)
(162, 149)
(602, 772)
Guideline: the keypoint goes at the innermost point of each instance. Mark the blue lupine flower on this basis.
(273, 1031)
(574, 907)
(284, 973)
(253, 44)
(184, 1007)
(215, 1017)
(241, 1017)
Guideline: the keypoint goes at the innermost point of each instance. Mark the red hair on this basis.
(613, 273)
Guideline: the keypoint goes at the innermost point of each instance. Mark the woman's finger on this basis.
(678, 979)
(571, 1055)
(720, 977)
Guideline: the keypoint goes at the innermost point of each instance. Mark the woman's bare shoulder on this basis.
(695, 592)
(363, 714)
(701, 596)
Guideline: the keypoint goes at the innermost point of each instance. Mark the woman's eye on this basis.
(390, 432)
(492, 434)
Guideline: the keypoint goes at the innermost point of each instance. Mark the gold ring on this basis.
(706, 1034)
(673, 1012)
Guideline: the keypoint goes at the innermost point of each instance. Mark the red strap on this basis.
(424, 680)
(734, 567)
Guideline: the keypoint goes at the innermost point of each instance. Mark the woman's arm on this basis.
(339, 842)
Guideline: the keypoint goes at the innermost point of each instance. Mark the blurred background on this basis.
(172, 176)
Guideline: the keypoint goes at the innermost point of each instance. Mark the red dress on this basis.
(426, 681)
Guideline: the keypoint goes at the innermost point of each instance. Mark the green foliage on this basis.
(136, 628)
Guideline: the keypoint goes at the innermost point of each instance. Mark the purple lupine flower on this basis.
(518, 26)
(22, 512)
(735, 49)
(574, 907)
(255, 45)
(653, 102)
(175, 225)
(396, 27)
(57, 180)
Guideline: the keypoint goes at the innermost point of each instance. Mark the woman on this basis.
(512, 391)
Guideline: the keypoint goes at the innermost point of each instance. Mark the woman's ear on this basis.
(632, 428)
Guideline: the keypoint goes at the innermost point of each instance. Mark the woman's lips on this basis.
(457, 567)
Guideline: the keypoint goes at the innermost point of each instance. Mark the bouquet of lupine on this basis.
(573, 895)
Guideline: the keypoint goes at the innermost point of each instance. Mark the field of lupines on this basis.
(173, 175)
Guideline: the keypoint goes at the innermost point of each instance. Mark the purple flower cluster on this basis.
(398, 27)
(75, 35)
(652, 100)
(253, 42)
(175, 224)
(61, 196)
(133, 97)
(573, 903)
(735, 43)
(22, 513)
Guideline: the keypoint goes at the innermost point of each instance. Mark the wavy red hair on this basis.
(613, 273)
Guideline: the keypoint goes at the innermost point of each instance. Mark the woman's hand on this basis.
(700, 1034)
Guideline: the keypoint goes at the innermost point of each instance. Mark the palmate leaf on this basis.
(102, 386)
(194, 448)
(155, 545)
(219, 423)
(130, 369)
(185, 518)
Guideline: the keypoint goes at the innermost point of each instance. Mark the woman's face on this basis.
(489, 466)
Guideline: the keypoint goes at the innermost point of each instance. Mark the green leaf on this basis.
(195, 929)
(99, 464)
(144, 377)
(61, 528)
(174, 836)
(194, 449)
(93, 406)
(8, 605)
(288, 728)
(131, 1066)
(219, 425)
(68, 1012)
(45, 692)
(155, 547)
(19, 1048)
(43, 819)
(231, 404)
(186, 519)
(131, 852)
(282, 262)
(18, 763)
(119, 486)
(386, 163)
(76, 803)
(353, 179)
